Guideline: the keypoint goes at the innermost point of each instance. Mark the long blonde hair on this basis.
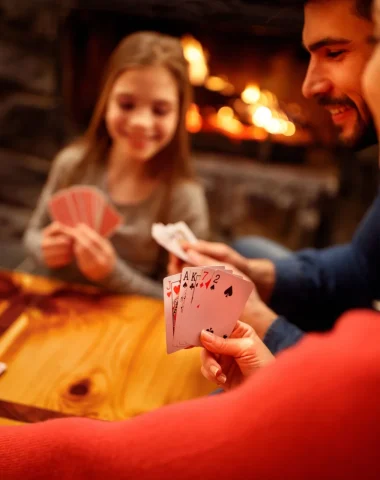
(137, 50)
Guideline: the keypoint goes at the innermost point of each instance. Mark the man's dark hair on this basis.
(363, 8)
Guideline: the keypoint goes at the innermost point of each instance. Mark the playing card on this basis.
(77, 193)
(84, 204)
(189, 283)
(110, 221)
(218, 308)
(170, 237)
(88, 208)
(60, 210)
(171, 294)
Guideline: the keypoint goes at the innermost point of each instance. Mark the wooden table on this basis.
(76, 351)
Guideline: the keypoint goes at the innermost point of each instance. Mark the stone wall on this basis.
(32, 125)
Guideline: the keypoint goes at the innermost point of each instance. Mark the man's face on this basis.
(336, 39)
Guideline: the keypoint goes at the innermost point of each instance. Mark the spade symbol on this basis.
(228, 292)
(184, 285)
(224, 336)
(213, 287)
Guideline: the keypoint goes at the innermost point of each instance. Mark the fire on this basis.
(193, 119)
(255, 114)
(194, 54)
(251, 94)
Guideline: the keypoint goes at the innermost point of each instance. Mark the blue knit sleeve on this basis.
(281, 335)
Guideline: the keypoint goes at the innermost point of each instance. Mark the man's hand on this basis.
(227, 362)
(260, 271)
(257, 314)
(95, 255)
(220, 254)
(57, 245)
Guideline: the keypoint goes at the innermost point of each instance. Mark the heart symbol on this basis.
(201, 285)
(168, 294)
(198, 306)
(176, 289)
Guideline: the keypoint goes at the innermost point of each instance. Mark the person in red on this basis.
(313, 414)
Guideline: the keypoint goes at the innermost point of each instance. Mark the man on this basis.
(312, 288)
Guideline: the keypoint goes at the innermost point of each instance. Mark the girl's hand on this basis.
(57, 245)
(95, 255)
(227, 362)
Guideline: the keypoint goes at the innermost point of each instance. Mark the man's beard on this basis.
(363, 135)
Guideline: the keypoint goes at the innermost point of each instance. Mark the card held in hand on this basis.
(210, 298)
(85, 204)
(171, 236)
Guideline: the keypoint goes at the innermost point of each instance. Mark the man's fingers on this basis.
(199, 259)
(218, 251)
(175, 264)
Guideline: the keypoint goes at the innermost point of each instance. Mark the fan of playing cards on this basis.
(209, 298)
(171, 235)
(84, 204)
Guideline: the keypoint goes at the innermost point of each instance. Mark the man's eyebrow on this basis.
(327, 42)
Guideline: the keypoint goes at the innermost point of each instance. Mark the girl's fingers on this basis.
(60, 241)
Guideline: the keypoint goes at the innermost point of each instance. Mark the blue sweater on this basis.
(314, 287)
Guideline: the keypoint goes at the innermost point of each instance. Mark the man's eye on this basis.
(335, 53)
(372, 40)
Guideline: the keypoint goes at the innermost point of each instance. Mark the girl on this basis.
(136, 151)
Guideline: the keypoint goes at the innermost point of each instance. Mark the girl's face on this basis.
(371, 76)
(142, 112)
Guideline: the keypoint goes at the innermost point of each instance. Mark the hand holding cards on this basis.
(84, 204)
(170, 237)
(209, 298)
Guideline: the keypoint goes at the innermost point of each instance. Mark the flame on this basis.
(224, 120)
(251, 94)
(194, 54)
(290, 129)
(193, 119)
(262, 116)
(216, 84)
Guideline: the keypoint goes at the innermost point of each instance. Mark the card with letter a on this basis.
(209, 298)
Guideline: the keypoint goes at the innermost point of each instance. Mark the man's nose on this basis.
(316, 82)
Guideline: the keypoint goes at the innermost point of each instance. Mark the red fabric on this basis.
(313, 415)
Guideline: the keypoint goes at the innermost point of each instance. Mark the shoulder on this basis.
(69, 156)
(188, 189)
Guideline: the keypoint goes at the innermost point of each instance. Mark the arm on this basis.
(301, 417)
(314, 287)
(188, 204)
(127, 280)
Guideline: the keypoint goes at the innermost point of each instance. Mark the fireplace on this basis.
(265, 155)
(247, 77)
